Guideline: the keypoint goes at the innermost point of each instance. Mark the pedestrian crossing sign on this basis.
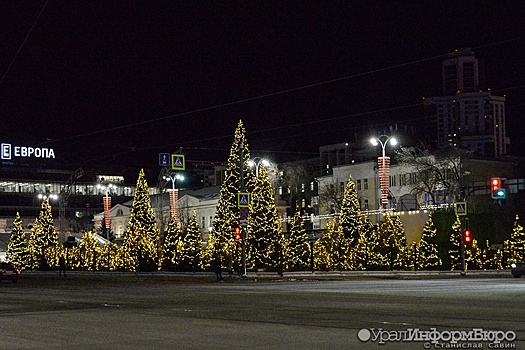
(178, 162)
(461, 208)
(243, 200)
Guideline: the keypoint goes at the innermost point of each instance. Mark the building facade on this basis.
(466, 117)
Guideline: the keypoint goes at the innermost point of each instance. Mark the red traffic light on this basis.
(237, 233)
(467, 236)
(498, 188)
(496, 183)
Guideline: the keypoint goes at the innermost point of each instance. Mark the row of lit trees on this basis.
(351, 242)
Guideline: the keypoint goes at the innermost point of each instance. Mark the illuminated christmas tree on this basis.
(488, 260)
(427, 248)
(455, 240)
(394, 249)
(142, 215)
(398, 246)
(106, 258)
(265, 225)
(350, 215)
(498, 259)
(147, 254)
(72, 256)
(89, 251)
(173, 246)
(47, 226)
(16, 252)
(127, 255)
(367, 254)
(332, 250)
(227, 214)
(137, 253)
(43, 236)
(298, 249)
(413, 256)
(515, 246)
(192, 245)
(474, 256)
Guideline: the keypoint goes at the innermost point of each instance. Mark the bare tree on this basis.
(331, 196)
(437, 173)
(293, 178)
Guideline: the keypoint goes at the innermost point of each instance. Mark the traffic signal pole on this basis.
(462, 250)
(243, 236)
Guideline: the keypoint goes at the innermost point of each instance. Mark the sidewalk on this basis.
(287, 276)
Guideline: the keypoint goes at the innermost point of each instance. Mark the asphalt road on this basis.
(151, 312)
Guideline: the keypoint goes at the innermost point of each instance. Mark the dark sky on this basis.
(116, 82)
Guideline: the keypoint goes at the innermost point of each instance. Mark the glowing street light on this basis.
(256, 162)
(107, 204)
(174, 193)
(383, 165)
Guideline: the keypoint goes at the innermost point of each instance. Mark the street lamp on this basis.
(256, 162)
(174, 193)
(49, 197)
(383, 165)
(107, 204)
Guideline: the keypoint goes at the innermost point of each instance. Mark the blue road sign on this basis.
(164, 159)
(243, 213)
(461, 208)
(177, 162)
(243, 200)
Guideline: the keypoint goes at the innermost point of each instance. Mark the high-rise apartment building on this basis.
(465, 116)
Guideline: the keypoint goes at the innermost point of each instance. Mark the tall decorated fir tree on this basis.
(173, 246)
(17, 247)
(221, 240)
(47, 225)
(427, 248)
(265, 226)
(350, 215)
(142, 217)
(455, 251)
(298, 251)
(192, 245)
(43, 236)
(515, 246)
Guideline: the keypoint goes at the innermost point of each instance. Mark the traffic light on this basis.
(497, 188)
(237, 233)
(467, 237)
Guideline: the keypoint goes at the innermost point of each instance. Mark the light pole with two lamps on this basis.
(174, 194)
(384, 166)
(107, 205)
(256, 163)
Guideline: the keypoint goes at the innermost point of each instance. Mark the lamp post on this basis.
(107, 205)
(174, 194)
(384, 165)
(48, 196)
(256, 163)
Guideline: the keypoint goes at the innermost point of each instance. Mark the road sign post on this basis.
(461, 208)
(178, 162)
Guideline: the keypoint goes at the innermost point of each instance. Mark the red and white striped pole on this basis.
(107, 207)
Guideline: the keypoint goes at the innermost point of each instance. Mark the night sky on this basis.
(113, 83)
